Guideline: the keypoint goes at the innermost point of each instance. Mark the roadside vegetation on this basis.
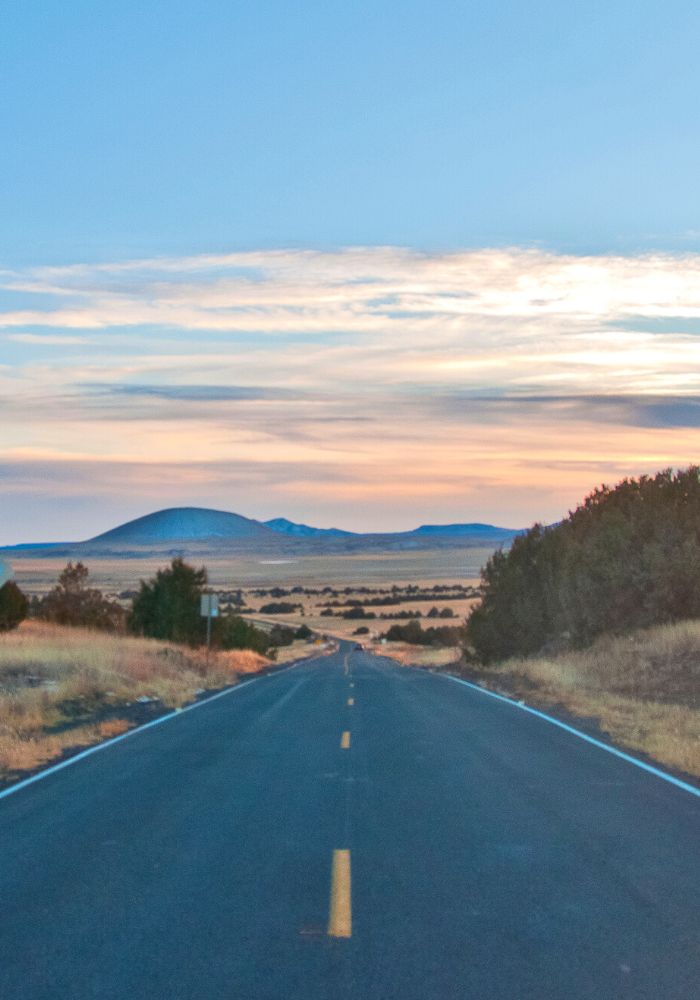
(73, 602)
(84, 668)
(168, 607)
(13, 606)
(628, 557)
(643, 688)
(62, 686)
(436, 636)
(599, 615)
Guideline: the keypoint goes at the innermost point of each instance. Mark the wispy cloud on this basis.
(377, 373)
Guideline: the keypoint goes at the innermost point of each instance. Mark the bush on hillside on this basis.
(628, 557)
(357, 612)
(414, 634)
(281, 636)
(13, 606)
(233, 632)
(73, 602)
(168, 606)
(279, 608)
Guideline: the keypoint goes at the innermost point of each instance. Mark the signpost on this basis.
(209, 608)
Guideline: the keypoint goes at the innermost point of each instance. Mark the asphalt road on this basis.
(483, 853)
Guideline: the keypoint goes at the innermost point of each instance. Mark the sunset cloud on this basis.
(456, 385)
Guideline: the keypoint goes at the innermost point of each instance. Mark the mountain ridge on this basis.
(298, 530)
(197, 531)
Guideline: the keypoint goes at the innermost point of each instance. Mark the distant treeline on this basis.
(416, 635)
(393, 600)
(627, 557)
(395, 593)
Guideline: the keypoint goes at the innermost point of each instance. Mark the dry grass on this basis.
(643, 689)
(52, 679)
(418, 656)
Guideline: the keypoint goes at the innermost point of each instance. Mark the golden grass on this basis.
(53, 677)
(643, 689)
(418, 656)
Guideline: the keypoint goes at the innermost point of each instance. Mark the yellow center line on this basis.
(345, 741)
(340, 915)
(351, 701)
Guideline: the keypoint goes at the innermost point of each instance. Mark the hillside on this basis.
(183, 524)
(286, 527)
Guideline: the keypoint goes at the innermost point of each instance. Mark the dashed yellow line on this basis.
(340, 915)
(345, 741)
(351, 701)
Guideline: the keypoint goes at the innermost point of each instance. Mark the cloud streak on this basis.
(396, 383)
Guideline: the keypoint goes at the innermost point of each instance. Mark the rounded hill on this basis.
(179, 524)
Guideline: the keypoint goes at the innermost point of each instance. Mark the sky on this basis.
(359, 264)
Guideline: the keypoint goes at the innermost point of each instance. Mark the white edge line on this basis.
(139, 729)
(583, 736)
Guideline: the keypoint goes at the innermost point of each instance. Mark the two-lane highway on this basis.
(350, 829)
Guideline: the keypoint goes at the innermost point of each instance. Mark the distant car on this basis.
(359, 646)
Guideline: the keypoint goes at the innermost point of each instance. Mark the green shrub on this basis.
(279, 608)
(358, 612)
(233, 632)
(412, 633)
(628, 557)
(281, 636)
(13, 606)
(168, 606)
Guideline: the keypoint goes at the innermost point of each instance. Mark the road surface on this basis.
(350, 829)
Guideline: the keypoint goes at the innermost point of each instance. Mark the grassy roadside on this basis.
(417, 656)
(643, 689)
(63, 688)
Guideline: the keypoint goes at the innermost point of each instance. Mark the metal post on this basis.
(209, 608)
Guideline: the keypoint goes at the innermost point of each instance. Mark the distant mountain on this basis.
(183, 524)
(486, 530)
(199, 532)
(286, 527)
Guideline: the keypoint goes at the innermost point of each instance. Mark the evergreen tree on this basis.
(627, 557)
(168, 606)
(13, 606)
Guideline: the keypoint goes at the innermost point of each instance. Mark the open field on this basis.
(312, 607)
(66, 687)
(36, 576)
(643, 689)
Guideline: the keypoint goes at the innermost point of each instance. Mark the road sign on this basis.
(5, 573)
(209, 607)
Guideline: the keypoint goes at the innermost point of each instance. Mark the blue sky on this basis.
(365, 264)
(174, 128)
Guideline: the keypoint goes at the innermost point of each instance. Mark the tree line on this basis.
(627, 557)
